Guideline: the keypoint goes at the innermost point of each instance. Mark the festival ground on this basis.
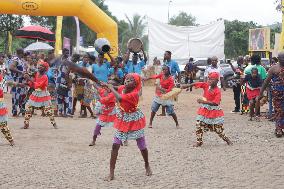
(47, 158)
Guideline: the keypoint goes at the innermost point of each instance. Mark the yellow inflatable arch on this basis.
(86, 10)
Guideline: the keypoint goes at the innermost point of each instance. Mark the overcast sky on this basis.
(260, 11)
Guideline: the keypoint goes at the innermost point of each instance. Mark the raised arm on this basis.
(112, 61)
(126, 57)
(81, 71)
(116, 94)
(144, 54)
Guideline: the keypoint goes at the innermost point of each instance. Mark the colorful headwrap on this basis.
(213, 75)
(137, 79)
(44, 64)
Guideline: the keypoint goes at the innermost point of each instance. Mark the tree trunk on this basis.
(6, 41)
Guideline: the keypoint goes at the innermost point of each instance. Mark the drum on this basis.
(102, 45)
(172, 94)
(134, 45)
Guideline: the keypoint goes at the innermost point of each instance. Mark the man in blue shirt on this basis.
(134, 66)
(175, 71)
(101, 69)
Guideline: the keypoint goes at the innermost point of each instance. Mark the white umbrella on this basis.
(38, 46)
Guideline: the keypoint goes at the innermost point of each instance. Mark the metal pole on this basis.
(281, 45)
(169, 10)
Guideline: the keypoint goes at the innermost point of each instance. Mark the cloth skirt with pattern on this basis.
(39, 99)
(211, 115)
(3, 112)
(107, 120)
(129, 125)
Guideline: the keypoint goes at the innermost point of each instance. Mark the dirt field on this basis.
(47, 158)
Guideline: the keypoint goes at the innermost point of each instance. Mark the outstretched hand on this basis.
(200, 101)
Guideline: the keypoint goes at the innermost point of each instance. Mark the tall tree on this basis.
(236, 37)
(9, 23)
(133, 28)
(183, 19)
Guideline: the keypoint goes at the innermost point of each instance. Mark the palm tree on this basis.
(136, 29)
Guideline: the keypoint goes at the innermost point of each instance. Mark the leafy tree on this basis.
(9, 23)
(133, 28)
(278, 4)
(183, 19)
(236, 37)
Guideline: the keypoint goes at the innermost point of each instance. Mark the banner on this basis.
(67, 44)
(259, 39)
(58, 43)
(184, 42)
(78, 34)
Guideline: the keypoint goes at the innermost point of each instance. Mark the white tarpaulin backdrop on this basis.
(184, 42)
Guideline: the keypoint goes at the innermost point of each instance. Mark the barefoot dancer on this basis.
(40, 99)
(166, 85)
(130, 121)
(210, 115)
(107, 114)
(4, 117)
(276, 76)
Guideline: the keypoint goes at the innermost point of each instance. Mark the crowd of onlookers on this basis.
(66, 88)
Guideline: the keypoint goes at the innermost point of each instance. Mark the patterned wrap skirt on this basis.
(107, 120)
(211, 115)
(3, 112)
(39, 99)
(52, 91)
(129, 125)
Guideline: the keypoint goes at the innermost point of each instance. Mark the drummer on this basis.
(166, 85)
(134, 65)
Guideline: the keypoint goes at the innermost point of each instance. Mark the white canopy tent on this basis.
(184, 42)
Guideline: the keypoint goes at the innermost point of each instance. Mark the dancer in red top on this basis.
(40, 99)
(107, 112)
(210, 116)
(130, 120)
(166, 85)
(4, 117)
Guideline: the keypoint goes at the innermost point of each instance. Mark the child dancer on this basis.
(4, 117)
(40, 99)
(253, 85)
(166, 85)
(107, 114)
(210, 115)
(130, 120)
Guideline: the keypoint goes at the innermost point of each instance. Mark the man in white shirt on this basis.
(215, 68)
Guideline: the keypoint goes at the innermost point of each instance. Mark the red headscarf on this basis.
(213, 75)
(137, 79)
(44, 64)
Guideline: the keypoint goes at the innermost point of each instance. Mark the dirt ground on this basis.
(47, 158)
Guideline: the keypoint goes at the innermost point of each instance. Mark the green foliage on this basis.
(183, 19)
(133, 28)
(236, 37)
(8, 23)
